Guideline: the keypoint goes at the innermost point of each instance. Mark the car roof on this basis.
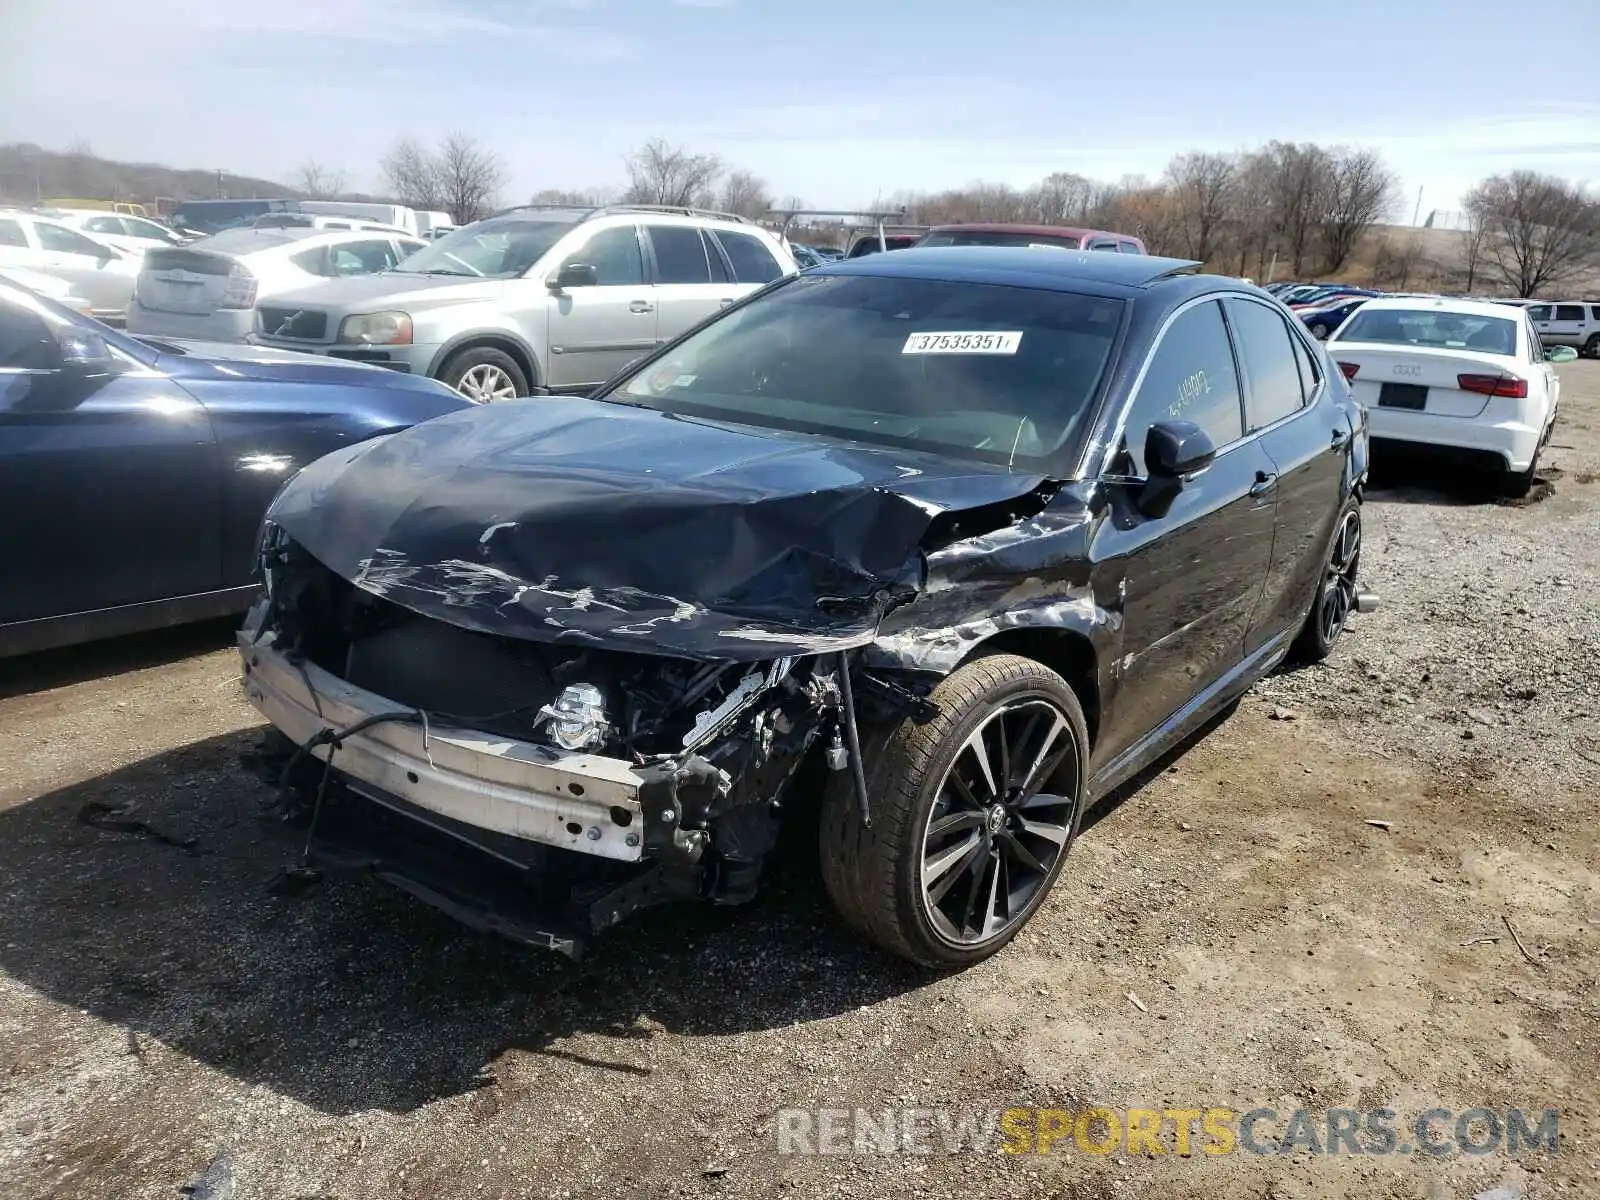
(1017, 266)
(1031, 230)
(1471, 308)
(247, 239)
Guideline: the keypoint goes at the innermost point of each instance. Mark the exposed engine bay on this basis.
(712, 745)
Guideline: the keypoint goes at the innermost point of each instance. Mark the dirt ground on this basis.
(159, 1007)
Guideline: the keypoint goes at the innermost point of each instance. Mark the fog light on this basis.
(577, 719)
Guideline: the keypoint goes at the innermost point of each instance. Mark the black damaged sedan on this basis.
(973, 534)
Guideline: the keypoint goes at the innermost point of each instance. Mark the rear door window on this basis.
(680, 254)
(1191, 377)
(362, 258)
(1267, 359)
(752, 261)
(1569, 312)
(11, 234)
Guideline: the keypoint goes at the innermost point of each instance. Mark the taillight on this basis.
(1349, 369)
(241, 290)
(1493, 385)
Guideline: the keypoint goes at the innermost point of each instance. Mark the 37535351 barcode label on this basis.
(988, 341)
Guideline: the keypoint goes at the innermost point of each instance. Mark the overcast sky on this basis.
(832, 101)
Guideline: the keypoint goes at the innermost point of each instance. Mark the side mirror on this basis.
(85, 355)
(1560, 354)
(1177, 448)
(574, 274)
(1173, 450)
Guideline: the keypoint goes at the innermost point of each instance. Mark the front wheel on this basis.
(1591, 348)
(1335, 599)
(485, 375)
(972, 815)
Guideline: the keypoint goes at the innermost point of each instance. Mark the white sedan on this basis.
(1460, 376)
(101, 274)
(208, 291)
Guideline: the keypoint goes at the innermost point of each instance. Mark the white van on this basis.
(395, 215)
(429, 222)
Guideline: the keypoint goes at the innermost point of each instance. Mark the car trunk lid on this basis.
(193, 282)
(1438, 382)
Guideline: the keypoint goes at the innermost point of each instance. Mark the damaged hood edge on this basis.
(594, 524)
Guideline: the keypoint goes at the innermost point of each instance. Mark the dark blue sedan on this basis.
(1320, 322)
(133, 475)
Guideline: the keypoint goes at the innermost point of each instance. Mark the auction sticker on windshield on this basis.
(992, 341)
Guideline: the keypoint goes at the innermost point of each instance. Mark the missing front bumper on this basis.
(585, 803)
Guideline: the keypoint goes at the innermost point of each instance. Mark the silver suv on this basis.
(534, 300)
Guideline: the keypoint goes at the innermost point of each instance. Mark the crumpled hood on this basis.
(584, 521)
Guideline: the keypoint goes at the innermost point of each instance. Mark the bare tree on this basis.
(662, 174)
(1359, 191)
(319, 182)
(413, 176)
(1297, 179)
(746, 194)
(1061, 198)
(1539, 229)
(1203, 187)
(470, 177)
(461, 177)
(576, 197)
(1474, 244)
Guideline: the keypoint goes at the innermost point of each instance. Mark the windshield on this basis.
(1438, 328)
(496, 249)
(1002, 374)
(968, 237)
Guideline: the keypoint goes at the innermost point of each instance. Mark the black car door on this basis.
(109, 488)
(1191, 577)
(1288, 406)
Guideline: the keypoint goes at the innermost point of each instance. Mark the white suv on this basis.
(1568, 323)
(536, 299)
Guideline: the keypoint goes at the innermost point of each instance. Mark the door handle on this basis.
(1340, 436)
(640, 306)
(1266, 482)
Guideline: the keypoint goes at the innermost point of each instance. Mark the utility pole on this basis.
(220, 194)
(1417, 212)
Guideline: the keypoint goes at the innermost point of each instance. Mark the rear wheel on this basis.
(972, 813)
(1335, 599)
(1514, 485)
(1591, 348)
(485, 374)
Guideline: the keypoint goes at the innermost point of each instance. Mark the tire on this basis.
(1320, 332)
(875, 873)
(1591, 348)
(484, 374)
(1336, 587)
(1514, 485)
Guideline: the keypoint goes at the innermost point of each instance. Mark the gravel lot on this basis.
(158, 1007)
